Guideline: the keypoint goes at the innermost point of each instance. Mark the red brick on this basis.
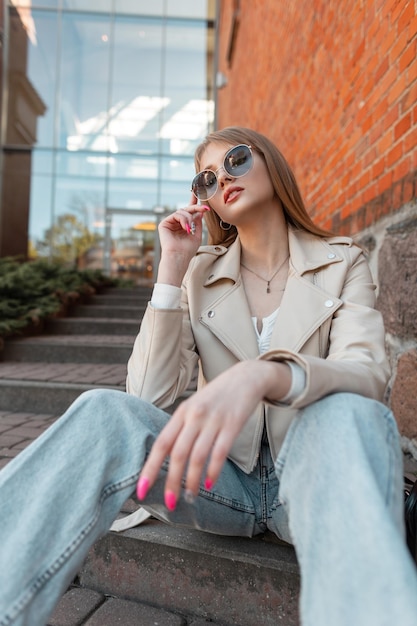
(411, 75)
(402, 127)
(406, 16)
(398, 47)
(412, 28)
(327, 99)
(397, 90)
(382, 69)
(408, 188)
(401, 170)
(395, 154)
(397, 9)
(408, 56)
(385, 182)
(410, 141)
(378, 168)
(409, 98)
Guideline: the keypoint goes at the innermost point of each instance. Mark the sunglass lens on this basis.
(204, 185)
(238, 161)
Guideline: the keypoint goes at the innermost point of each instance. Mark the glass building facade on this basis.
(104, 102)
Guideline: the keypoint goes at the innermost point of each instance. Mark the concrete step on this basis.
(39, 397)
(93, 326)
(108, 311)
(121, 299)
(227, 580)
(142, 291)
(69, 349)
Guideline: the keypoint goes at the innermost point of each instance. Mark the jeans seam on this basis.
(391, 437)
(51, 570)
(232, 504)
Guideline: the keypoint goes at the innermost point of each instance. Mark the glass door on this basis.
(129, 245)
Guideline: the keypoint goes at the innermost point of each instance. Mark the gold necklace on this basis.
(266, 280)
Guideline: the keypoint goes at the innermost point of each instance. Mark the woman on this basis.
(279, 317)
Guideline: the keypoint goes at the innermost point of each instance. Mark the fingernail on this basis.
(170, 500)
(189, 497)
(204, 206)
(187, 228)
(142, 487)
(208, 484)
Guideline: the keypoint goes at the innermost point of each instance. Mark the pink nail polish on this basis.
(170, 500)
(142, 487)
(207, 208)
(187, 228)
(208, 484)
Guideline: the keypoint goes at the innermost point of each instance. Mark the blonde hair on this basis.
(282, 178)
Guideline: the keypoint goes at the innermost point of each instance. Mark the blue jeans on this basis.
(335, 491)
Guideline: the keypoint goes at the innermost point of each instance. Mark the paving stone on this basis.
(75, 607)
(191, 573)
(124, 612)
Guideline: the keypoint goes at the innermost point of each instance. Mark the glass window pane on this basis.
(140, 7)
(32, 75)
(83, 198)
(136, 101)
(180, 170)
(189, 114)
(42, 162)
(99, 6)
(187, 8)
(132, 240)
(133, 167)
(84, 83)
(174, 195)
(53, 4)
(40, 209)
(83, 164)
(132, 194)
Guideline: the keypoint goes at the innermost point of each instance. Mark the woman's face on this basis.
(236, 198)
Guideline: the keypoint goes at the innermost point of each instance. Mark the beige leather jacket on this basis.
(326, 322)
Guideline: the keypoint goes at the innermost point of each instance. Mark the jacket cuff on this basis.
(298, 389)
(166, 296)
(298, 383)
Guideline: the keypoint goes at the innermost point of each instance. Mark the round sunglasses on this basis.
(237, 162)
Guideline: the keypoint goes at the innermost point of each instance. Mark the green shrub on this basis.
(34, 290)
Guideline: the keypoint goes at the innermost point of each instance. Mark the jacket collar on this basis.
(296, 322)
(307, 253)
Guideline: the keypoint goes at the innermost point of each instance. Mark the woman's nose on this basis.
(222, 175)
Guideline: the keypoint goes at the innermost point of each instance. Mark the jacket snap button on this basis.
(328, 303)
(331, 255)
(210, 314)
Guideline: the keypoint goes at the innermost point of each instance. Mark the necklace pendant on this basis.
(267, 288)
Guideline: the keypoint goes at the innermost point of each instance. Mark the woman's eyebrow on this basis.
(208, 167)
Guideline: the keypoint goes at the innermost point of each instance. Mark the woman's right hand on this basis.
(180, 234)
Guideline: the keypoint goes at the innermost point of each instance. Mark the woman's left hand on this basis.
(204, 427)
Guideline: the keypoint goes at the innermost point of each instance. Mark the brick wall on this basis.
(334, 84)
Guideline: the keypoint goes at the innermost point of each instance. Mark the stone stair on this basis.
(187, 575)
(86, 350)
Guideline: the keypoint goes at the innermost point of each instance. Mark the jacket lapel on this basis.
(226, 311)
(304, 307)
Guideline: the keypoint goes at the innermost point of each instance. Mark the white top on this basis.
(169, 297)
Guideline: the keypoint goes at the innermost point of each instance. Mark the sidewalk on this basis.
(154, 574)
